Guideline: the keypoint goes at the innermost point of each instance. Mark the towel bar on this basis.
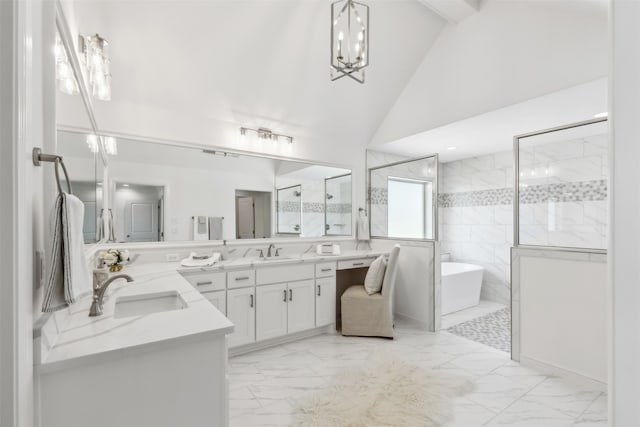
(39, 157)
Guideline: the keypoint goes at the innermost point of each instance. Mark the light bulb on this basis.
(360, 36)
(340, 36)
(357, 47)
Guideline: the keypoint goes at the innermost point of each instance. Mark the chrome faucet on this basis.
(101, 282)
(271, 246)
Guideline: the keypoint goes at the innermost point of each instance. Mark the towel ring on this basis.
(59, 162)
(38, 157)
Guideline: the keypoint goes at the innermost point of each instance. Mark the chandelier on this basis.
(349, 39)
(94, 55)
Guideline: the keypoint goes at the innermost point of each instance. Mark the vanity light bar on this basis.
(220, 153)
(264, 133)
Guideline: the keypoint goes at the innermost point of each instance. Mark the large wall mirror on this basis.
(161, 192)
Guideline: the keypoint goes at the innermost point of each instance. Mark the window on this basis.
(407, 208)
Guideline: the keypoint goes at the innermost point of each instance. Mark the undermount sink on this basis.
(139, 305)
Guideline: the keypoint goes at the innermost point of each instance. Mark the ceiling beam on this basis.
(453, 11)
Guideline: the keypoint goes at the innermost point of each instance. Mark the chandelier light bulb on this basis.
(341, 36)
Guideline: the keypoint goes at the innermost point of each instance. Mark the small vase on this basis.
(115, 267)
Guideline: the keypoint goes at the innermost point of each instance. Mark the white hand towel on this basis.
(362, 229)
(69, 277)
(205, 262)
(200, 228)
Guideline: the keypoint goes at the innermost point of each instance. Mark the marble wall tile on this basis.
(487, 180)
(477, 215)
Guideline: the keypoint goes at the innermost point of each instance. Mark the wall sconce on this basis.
(94, 56)
(110, 144)
(64, 73)
(264, 133)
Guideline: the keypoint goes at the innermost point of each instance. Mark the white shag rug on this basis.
(384, 392)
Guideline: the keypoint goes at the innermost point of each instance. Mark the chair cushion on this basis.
(375, 275)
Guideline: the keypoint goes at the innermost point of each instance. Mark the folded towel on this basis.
(195, 260)
(362, 229)
(69, 277)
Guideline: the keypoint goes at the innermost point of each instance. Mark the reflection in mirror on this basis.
(85, 169)
(290, 210)
(309, 181)
(162, 192)
(402, 199)
(80, 150)
(253, 214)
(338, 205)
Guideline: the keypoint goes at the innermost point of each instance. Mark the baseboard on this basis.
(407, 320)
(574, 377)
(261, 345)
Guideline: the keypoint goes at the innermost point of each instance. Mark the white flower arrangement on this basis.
(115, 258)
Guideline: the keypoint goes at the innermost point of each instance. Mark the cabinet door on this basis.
(218, 299)
(301, 307)
(325, 301)
(271, 311)
(241, 310)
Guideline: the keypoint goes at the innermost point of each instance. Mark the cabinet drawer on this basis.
(241, 278)
(355, 263)
(206, 281)
(326, 269)
(284, 273)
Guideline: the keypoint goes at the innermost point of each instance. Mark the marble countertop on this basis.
(85, 339)
(255, 262)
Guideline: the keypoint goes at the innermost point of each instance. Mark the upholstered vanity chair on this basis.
(371, 315)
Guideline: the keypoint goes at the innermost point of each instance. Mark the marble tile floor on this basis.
(265, 385)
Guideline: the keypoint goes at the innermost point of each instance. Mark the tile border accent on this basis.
(594, 190)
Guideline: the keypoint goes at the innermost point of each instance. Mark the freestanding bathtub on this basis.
(461, 284)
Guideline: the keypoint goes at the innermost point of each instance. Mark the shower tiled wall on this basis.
(563, 194)
(476, 217)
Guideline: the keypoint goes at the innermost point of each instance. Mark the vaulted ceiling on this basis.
(255, 63)
(208, 64)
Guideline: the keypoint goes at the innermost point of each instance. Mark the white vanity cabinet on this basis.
(218, 299)
(300, 306)
(241, 310)
(325, 301)
(284, 308)
(271, 312)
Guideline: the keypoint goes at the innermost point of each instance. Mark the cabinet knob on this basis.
(319, 292)
(290, 294)
(251, 300)
(285, 295)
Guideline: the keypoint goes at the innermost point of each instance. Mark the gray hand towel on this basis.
(68, 270)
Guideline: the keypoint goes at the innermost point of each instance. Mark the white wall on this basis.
(563, 313)
(508, 52)
(625, 211)
(416, 283)
(25, 118)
